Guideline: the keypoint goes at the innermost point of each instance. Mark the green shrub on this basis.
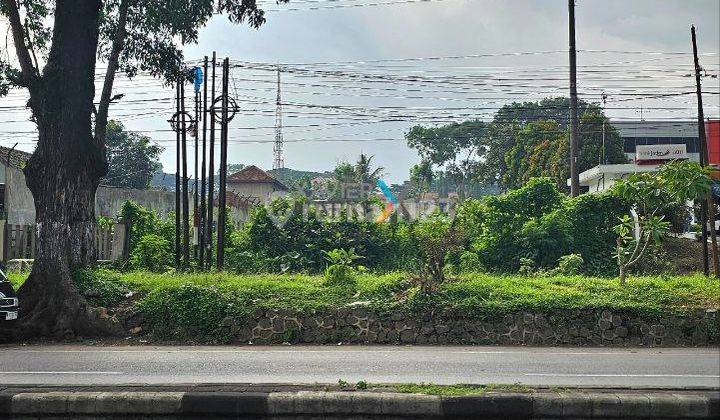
(101, 287)
(144, 222)
(502, 240)
(245, 262)
(297, 246)
(340, 271)
(527, 267)
(569, 265)
(591, 218)
(470, 262)
(152, 252)
(537, 222)
(437, 238)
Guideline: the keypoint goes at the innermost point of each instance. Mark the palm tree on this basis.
(364, 172)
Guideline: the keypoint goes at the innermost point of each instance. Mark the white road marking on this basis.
(61, 373)
(610, 375)
(343, 351)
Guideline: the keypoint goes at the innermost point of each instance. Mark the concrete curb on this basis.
(367, 405)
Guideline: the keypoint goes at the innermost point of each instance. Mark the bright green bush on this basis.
(340, 270)
(501, 244)
(569, 265)
(297, 245)
(591, 218)
(145, 222)
(470, 262)
(538, 223)
(152, 252)
(101, 287)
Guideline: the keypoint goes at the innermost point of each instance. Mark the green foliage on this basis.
(193, 305)
(246, 262)
(298, 244)
(421, 175)
(569, 265)
(186, 310)
(145, 222)
(530, 139)
(539, 223)
(100, 287)
(132, 158)
(527, 267)
(152, 252)
(674, 184)
(590, 218)
(470, 262)
(340, 271)
(438, 239)
(457, 148)
(502, 239)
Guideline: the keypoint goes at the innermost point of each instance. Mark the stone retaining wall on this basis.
(572, 327)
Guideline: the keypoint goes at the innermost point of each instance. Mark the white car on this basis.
(8, 299)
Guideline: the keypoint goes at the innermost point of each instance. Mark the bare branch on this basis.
(29, 72)
(632, 262)
(113, 62)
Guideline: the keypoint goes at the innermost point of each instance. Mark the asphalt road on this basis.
(89, 365)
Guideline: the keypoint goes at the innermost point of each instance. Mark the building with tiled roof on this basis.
(255, 185)
(13, 157)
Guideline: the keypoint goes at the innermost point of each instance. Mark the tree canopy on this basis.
(524, 140)
(456, 149)
(132, 158)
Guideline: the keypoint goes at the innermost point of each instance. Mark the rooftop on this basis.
(14, 157)
(252, 175)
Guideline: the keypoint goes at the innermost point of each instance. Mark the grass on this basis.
(458, 390)
(471, 293)
(194, 304)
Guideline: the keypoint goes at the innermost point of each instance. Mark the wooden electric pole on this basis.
(574, 176)
(707, 207)
(211, 168)
(185, 203)
(177, 175)
(202, 225)
(196, 199)
(222, 193)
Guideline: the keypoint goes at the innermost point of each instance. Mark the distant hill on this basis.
(291, 176)
(166, 181)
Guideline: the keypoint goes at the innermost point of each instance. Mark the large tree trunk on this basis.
(63, 175)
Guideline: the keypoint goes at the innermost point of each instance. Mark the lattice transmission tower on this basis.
(278, 161)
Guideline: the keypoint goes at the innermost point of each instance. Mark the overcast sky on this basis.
(427, 29)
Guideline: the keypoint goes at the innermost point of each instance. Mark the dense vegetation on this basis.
(196, 304)
(533, 226)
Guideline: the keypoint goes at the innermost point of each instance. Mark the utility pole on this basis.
(202, 225)
(574, 176)
(196, 220)
(222, 193)
(177, 175)
(185, 203)
(604, 152)
(707, 207)
(211, 168)
(278, 162)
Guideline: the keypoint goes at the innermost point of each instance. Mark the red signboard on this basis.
(712, 131)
